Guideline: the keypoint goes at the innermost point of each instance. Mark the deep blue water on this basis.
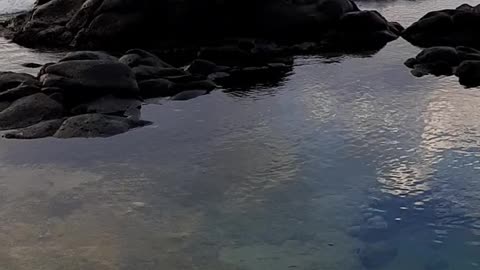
(347, 163)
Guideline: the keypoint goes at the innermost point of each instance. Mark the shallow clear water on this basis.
(346, 153)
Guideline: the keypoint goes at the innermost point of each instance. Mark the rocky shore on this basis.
(114, 24)
(451, 38)
(92, 93)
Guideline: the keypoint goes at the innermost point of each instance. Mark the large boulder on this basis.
(468, 73)
(114, 23)
(83, 80)
(30, 110)
(435, 60)
(40, 130)
(96, 125)
(9, 80)
(448, 27)
(464, 62)
(366, 29)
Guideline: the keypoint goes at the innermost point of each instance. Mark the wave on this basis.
(14, 6)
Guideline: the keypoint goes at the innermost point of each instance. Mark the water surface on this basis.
(285, 176)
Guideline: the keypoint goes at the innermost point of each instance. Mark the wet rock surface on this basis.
(95, 94)
(96, 125)
(463, 62)
(122, 24)
(30, 110)
(366, 29)
(448, 27)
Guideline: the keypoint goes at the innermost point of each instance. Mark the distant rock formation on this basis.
(114, 24)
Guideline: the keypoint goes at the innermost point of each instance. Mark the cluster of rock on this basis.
(109, 24)
(451, 38)
(464, 62)
(95, 94)
(448, 27)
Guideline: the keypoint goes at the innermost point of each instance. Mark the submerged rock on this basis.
(437, 264)
(40, 130)
(96, 125)
(378, 255)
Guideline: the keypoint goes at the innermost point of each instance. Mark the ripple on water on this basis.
(347, 153)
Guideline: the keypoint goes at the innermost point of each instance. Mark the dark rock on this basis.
(156, 88)
(32, 65)
(40, 130)
(190, 94)
(30, 110)
(114, 24)
(226, 55)
(468, 73)
(449, 27)
(42, 70)
(154, 72)
(363, 30)
(108, 105)
(183, 78)
(18, 92)
(9, 80)
(435, 54)
(58, 97)
(202, 67)
(137, 57)
(411, 62)
(87, 79)
(467, 53)
(88, 55)
(4, 105)
(377, 255)
(437, 61)
(219, 77)
(195, 85)
(96, 125)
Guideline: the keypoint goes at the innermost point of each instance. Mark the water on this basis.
(345, 154)
(13, 6)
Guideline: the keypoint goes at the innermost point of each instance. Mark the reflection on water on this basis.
(347, 163)
(12, 57)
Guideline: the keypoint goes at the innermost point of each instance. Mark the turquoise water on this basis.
(347, 163)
